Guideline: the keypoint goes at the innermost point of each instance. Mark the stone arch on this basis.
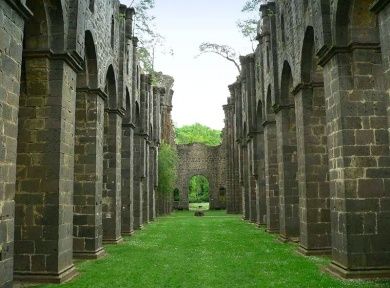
(282, 28)
(46, 30)
(358, 95)
(259, 114)
(91, 6)
(111, 198)
(128, 105)
(48, 91)
(137, 115)
(313, 167)
(287, 158)
(199, 159)
(88, 78)
(286, 85)
(111, 88)
(268, 108)
(355, 23)
(112, 35)
(88, 173)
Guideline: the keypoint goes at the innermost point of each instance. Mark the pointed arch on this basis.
(45, 30)
(111, 87)
(355, 23)
(88, 78)
(286, 85)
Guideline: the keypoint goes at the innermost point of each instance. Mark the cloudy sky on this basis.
(200, 83)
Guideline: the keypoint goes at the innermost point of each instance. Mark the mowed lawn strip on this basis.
(218, 250)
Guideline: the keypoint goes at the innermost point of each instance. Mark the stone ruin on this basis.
(307, 124)
(80, 128)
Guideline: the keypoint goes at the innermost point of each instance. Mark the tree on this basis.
(224, 51)
(198, 133)
(248, 26)
(167, 169)
(146, 32)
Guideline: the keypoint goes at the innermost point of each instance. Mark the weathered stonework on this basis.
(322, 98)
(69, 88)
(199, 159)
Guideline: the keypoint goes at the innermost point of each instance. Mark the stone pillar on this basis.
(313, 167)
(271, 176)
(251, 183)
(88, 175)
(288, 165)
(138, 166)
(152, 185)
(259, 175)
(11, 35)
(112, 177)
(127, 179)
(244, 181)
(44, 194)
(359, 162)
(146, 186)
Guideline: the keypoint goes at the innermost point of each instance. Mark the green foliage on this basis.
(198, 133)
(198, 189)
(167, 169)
(248, 25)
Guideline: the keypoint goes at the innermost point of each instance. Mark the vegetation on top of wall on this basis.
(198, 133)
(167, 169)
(150, 40)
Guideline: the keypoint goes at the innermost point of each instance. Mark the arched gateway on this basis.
(210, 162)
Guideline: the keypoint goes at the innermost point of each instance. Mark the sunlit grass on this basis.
(199, 206)
(214, 251)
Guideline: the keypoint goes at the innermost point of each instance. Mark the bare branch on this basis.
(224, 51)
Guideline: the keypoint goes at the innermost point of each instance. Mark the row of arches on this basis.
(319, 174)
(77, 158)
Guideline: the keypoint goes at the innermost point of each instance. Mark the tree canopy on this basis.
(198, 133)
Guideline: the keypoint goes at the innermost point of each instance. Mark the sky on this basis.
(200, 82)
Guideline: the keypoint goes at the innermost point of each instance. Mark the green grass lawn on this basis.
(213, 251)
(195, 206)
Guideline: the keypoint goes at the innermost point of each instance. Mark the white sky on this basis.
(200, 83)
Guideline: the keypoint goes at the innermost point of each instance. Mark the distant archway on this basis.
(200, 160)
(198, 190)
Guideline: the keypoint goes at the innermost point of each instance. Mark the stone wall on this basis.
(74, 115)
(318, 139)
(207, 161)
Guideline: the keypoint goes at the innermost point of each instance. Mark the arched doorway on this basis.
(199, 192)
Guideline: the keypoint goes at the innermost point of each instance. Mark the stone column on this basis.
(138, 166)
(88, 175)
(260, 178)
(359, 162)
(271, 176)
(251, 183)
(313, 167)
(146, 185)
(44, 194)
(245, 181)
(288, 165)
(11, 43)
(127, 179)
(112, 177)
(152, 191)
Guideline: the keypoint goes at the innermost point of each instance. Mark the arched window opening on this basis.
(92, 5)
(282, 28)
(176, 195)
(112, 31)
